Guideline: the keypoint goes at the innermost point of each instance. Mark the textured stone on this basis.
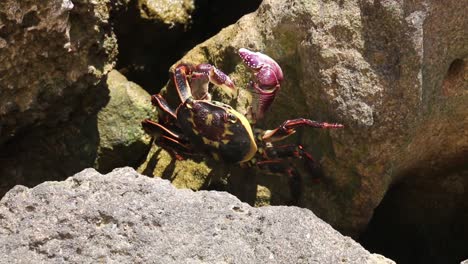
(125, 217)
(393, 72)
(112, 137)
(51, 53)
(122, 140)
(169, 12)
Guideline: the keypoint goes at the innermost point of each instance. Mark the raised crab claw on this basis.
(268, 78)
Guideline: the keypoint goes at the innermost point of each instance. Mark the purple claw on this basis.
(268, 76)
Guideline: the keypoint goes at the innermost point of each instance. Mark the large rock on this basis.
(112, 137)
(125, 217)
(393, 72)
(51, 53)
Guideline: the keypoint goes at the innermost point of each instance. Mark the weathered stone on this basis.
(183, 173)
(393, 72)
(111, 138)
(122, 140)
(169, 12)
(51, 53)
(125, 217)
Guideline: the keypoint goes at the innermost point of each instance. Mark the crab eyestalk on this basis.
(268, 77)
(205, 73)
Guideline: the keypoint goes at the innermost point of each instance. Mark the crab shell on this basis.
(218, 129)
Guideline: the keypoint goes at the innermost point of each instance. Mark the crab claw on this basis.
(205, 73)
(268, 77)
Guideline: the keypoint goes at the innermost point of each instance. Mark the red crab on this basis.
(199, 125)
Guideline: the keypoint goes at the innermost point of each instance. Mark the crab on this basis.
(201, 126)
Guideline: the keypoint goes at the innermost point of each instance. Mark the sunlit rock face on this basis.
(392, 73)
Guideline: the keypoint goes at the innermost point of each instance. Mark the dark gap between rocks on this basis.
(422, 219)
(147, 49)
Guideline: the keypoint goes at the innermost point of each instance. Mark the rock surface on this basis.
(122, 140)
(112, 137)
(393, 72)
(51, 53)
(169, 12)
(125, 217)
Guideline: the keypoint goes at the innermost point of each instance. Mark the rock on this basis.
(110, 138)
(122, 140)
(392, 73)
(51, 53)
(126, 217)
(169, 12)
(183, 173)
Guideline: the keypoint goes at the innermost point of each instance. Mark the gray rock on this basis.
(124, 217)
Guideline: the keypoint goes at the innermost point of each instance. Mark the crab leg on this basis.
(293, 151)
(170, 140)
(158, 100)
(152, 127)
(174, 147)
(289, 127)
(294, 179)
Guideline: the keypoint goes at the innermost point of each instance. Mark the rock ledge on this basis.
(124, 217)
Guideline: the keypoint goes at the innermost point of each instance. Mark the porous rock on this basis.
(125, 217)
(394, 73)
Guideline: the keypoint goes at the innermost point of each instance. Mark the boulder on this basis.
(394, 73)
(51, 54)
(125, 217)
(112, 137)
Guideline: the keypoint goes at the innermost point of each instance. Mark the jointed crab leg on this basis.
(289, 127)
(158, 100)
(174, 147)
(152, 127)
(169, 140)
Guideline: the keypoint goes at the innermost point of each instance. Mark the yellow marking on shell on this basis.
(210, 142)
(209, 119)
(226, 132)
(215, 156)
(248, 128)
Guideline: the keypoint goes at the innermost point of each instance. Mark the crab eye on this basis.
(231, 118)
(189, 103)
